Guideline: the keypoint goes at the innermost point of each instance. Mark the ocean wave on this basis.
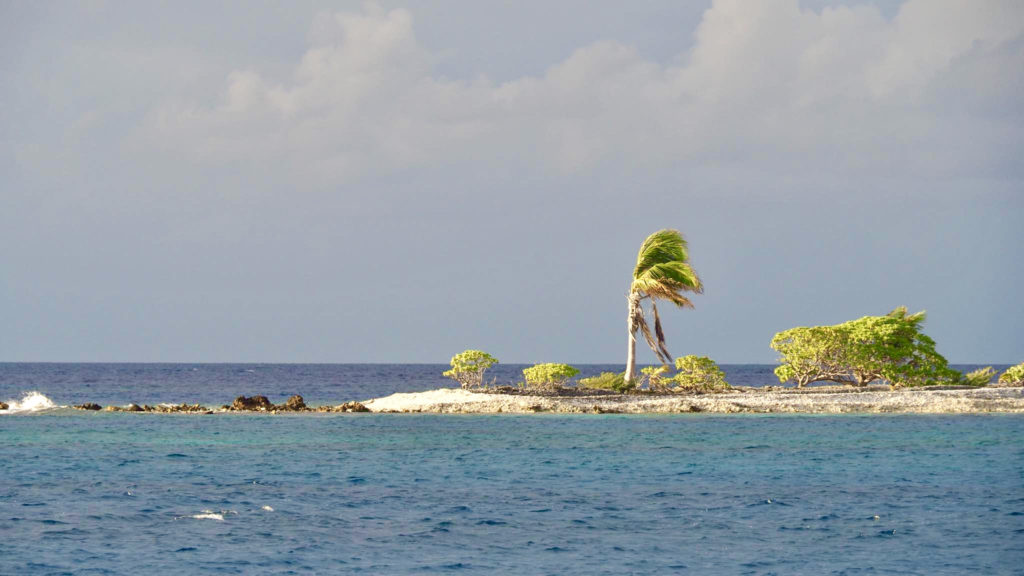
(33, 401)
(208, 515)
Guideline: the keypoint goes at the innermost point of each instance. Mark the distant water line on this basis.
(215, 384)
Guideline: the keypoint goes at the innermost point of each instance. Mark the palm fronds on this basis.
(655, 341)
(661, 247)
(662, 273)
(662, 351)
(667, 281)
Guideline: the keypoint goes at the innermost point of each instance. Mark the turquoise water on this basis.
(116, 493)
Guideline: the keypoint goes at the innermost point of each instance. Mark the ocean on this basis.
(122, 493)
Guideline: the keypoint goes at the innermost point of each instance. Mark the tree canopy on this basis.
(468, 367)
(890, 348)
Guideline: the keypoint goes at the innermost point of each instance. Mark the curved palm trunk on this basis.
(634, 302)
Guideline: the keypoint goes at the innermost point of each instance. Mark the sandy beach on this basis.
(823, 400)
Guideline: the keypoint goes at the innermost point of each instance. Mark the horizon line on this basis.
(286, 363)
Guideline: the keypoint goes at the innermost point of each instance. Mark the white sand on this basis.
(449, 400)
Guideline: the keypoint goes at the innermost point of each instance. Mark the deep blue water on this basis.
(118, 493)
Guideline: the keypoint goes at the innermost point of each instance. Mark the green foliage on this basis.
(468, 367)
(698, 373)
(1014, 376)
(662, 272)
(980, 377)
(608, 381)
(811, 354)
(890, 348)
(655, 376)
(549, 376)
(893, 348)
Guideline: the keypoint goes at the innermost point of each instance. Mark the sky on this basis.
(400, 181)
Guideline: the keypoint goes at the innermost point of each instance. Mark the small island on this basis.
(735, 400)
(874, 364)
(818, 400)
(698, 386)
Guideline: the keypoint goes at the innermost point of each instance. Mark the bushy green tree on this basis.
(467, 368)
(811, 354)
(608, 381)
(1014, 376)
(891, 348)
(548, 376)
(698, 373)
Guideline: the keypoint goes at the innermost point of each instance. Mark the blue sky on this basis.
(396, 182)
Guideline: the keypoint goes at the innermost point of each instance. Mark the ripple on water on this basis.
(705, 501)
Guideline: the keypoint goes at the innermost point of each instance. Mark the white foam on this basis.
(268, 509)
(208, 515)
(30, 402)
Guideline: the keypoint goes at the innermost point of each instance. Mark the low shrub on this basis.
(549, 376)
(608, 381)
(698, 373)
(1014, 376)
(980, 377)
(655, 376)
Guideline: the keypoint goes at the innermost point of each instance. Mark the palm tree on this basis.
(662, 273)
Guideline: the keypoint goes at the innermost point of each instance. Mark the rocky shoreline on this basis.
(241, 404)
(816, 400)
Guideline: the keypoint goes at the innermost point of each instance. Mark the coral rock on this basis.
(253, 403)
(295, 404)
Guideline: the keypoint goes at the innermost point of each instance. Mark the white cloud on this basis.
(844, 91)
(927, 35)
